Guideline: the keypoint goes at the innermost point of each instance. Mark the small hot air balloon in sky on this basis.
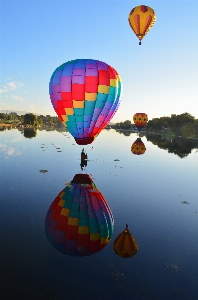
(140, 120)
(85, 94)
(141, 19)
(138, 147)
(79, 222)
(125, 245)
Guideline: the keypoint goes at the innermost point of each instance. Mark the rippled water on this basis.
(156, 194)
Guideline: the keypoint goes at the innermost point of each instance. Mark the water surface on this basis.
(156, 194)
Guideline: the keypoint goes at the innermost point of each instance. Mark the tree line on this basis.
(174, 144)
(29, 119)
(123, 125)
(183, 124)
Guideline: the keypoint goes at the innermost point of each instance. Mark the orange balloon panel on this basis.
(141, 19)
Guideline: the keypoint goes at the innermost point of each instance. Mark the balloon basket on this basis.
(84, 141)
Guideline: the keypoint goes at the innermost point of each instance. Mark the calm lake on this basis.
(155, 193)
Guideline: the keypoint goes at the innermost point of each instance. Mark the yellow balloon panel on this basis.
(141, 19)
(90, 96)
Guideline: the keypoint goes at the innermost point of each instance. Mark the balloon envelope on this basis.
(79, 222)
(85, 94)
(140, 120)
(141, 19)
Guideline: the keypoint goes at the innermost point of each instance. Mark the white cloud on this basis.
(9, 150)
(16, 140)
(3, 147)
(17, 97)
(12, 85)
(4, 89)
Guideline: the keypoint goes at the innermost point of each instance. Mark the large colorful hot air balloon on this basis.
(140, 120)
(138, 147)
(85, 94)
(125, 245)
(79, 222)
(141, 19)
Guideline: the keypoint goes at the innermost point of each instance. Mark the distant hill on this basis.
(19, 112)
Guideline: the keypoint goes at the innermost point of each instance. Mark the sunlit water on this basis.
(145, 191)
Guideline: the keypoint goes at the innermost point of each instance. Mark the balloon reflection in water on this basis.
(141, 19)
(83, 162)
(138, 147)
(85, 94)
(125, 245)
(79, 222)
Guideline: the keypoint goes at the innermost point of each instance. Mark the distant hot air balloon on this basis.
(140, 120)
(138, 147)
(79, 222)
(141, 19)
(125, 245)
(85, 94)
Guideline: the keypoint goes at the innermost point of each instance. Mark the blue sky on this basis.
(160, 77)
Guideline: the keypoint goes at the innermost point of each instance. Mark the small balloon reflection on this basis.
(138, 147)
(125, 245)
(84, 158)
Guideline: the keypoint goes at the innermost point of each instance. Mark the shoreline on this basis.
(143, 133)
